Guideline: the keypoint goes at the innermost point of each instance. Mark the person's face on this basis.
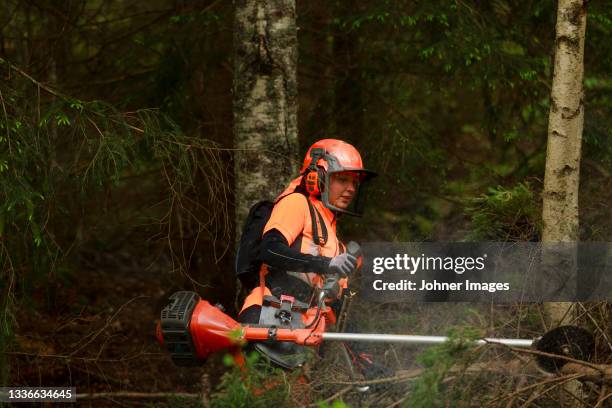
(342, 189)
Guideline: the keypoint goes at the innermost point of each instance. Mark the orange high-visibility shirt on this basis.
(291, 217)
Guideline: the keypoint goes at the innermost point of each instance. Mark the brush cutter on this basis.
(191, 329)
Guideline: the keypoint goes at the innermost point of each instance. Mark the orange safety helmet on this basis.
(329, 156)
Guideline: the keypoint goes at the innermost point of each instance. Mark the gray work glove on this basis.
(343, 264)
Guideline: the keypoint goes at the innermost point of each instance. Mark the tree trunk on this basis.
(561, 180)
(566, 117)
(265, 100)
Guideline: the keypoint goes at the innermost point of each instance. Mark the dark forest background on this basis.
(116, 155)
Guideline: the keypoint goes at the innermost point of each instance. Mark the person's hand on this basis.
(343, 264)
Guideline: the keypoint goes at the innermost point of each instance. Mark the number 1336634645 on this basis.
(36, 394)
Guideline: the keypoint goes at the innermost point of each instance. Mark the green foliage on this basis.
(257, 385)
(60, 157)
(418, 78)
(177, 402)
(335, 404)
(429, 391)
(57, 155)
(7, 323)
(505, 214)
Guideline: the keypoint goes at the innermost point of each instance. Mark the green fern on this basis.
(257, 385)
(505, 214)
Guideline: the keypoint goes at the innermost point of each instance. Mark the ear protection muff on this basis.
(312, 183)
(313, 176)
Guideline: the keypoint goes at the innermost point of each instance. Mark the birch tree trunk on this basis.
(265, 100)
(562, 176)
(566, 118)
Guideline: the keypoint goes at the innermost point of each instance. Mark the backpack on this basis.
(248, 261)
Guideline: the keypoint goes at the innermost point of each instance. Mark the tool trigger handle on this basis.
(354, 249)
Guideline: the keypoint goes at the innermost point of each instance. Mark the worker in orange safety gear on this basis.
(299, 243)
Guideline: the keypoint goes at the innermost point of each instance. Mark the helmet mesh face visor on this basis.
(345, 191)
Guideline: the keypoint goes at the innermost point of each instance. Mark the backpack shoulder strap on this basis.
(316, 219)
(320, 240)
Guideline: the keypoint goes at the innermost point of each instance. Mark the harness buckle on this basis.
(284, 312)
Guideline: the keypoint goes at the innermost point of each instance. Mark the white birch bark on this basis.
(562, 177)
(265, 100)
(566, 118)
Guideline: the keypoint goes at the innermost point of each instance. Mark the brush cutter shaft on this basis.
(414, 339)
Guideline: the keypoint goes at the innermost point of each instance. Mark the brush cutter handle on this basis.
(354, 249)
(331, 287)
